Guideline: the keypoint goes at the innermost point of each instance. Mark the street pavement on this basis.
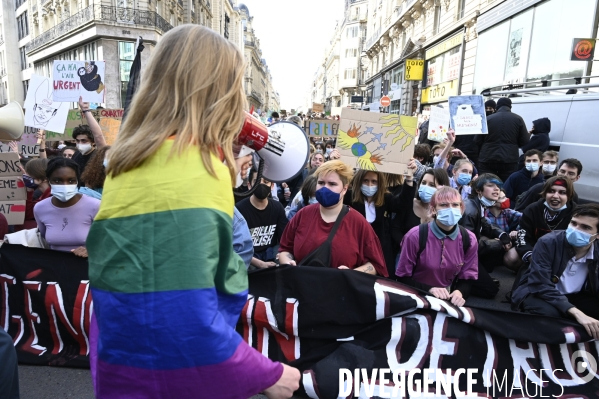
(41, 382)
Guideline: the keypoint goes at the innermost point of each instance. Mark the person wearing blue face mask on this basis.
(462, 176)
(562, 279)
(522, 180)
(451, 278)
(552, 212)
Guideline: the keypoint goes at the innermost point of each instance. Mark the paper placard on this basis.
(378, 142)
(13, 211)
(468, 115)
(41, 111)
(317, 107)
(108, 119)
(438, 123)
(12, 187)
(72, 79)
(323, 128)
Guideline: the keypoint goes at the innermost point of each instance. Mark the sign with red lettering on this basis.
(73, 79)
(12, 189)
(583, 50)
(41, 111)
(108, 119)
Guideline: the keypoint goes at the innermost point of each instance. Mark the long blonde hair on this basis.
(192, 89)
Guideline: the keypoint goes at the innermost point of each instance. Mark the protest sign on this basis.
(468, 114)
(41, 111)
(108, 119)
(73, 79)
(317, 107)
(323, 128)
(11, 178)
(438, 123)
(373, 141)
(302, 316)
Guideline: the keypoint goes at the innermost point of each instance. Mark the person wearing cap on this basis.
(490, 107)
(499, 148)
(562, 278)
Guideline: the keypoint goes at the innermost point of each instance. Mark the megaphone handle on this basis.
(255, 186)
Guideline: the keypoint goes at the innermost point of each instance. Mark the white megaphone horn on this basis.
(282, 147)
(12, 122)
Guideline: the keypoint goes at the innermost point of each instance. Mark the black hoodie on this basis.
(540, 136)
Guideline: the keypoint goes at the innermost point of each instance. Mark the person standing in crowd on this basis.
(499, 148)
(444, 239)
(178, 246)
(331, 234)
(522, 180)
(266, 220)
(550, 160)
(490, 107)
(306, 196)
(65, 219)
(243, 245)
(95, 174)
(539, 136)
(88, 137)
(9, 367)
(462, 176)
(552, 212)
(570, 168)
(69, 152)
(562, 279)
(37, 188)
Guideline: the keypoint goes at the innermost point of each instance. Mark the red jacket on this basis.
(30, 222)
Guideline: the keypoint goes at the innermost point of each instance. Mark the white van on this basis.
(574, 129)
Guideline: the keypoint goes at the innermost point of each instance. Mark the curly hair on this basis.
(94, 174)
(83, 129)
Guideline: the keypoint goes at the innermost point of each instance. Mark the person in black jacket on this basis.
(523, 179)
(539, 139)
(562, 280)
(499, 148)
(570, 168)
(552, 212)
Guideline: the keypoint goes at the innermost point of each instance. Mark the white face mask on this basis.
(548, 168)
(61, 146)
(63, 192)
(84, 148)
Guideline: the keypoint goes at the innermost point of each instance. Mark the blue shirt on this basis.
(242, 239)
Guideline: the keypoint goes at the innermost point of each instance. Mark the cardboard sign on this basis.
(583, 50)
(323, 128)
(317, 107)
(109, 120)
(12, 189)
(468, 114)
(414, 70)
(26, 150)
(73, 79)
(438, 124)
(379, 142)
(41, 111)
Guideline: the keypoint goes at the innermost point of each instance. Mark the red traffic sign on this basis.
(385, 101)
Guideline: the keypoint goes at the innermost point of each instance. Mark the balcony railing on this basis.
(249, 43)
(120, 15)
(399, 11)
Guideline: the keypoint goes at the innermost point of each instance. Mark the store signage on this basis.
(440, 92)
(444, 46)
(582, 50)
(414, 70)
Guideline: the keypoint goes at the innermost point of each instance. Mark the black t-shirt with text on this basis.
(267, 225)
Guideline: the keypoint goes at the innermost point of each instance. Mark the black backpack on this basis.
(423, 236)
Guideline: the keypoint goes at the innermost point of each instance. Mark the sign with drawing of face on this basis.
(41, 111)
(79, 78)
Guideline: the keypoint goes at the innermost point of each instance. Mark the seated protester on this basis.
(37, 188)
(243, 245)
(570, 168)
(456, 247)
(416, 199)
(539, 139)
(316, 160)
(88, 137)
(562, 278)
(329, 146)
(65, 218)
(330, 234)
(369, 196)
(305, 197)
(95, 174)
(266, 220)
(552, 212)
(9, 368)
(422, 153)
(501, 216)
(68, 152)
(549, 160)
(464, 170)
(445, 152)
(494, 244)
(523, 179)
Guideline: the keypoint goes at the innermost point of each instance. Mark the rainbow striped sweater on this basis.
(167, 287)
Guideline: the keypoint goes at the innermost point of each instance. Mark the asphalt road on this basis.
(41, 382)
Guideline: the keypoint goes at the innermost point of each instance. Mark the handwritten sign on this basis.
(41, 111)
(468, 115)
(438, 124)
(317, 107)
(108, 119)
(12, 189)
(323, 128)
(72, 79)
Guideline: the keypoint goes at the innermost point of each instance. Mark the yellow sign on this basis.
(440, 92)
(414, 70)
(444, 46)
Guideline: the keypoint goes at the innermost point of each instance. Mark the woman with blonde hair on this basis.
(330, 234)
(167, 287)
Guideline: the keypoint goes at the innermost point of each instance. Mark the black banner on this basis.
(46, 305)
(324, 320)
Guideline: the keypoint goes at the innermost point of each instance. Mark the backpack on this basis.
(423, 236)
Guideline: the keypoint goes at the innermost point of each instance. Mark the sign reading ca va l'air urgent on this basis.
(583, 49)
(414, 70)
(440, 92)
(323, 128)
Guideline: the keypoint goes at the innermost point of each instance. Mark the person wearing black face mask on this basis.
(266, 220)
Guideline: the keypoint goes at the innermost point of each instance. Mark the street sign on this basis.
(357, 99)
(385, 101)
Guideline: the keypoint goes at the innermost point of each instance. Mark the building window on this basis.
(437, 20)
(22, 25)
(23, 58)
(19, 3)
(461, 8)
(350, 73)
(226, 31)
(25, 87)
(126, 56)
(352, 31)
(351, 53)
